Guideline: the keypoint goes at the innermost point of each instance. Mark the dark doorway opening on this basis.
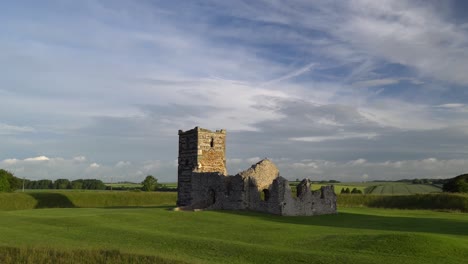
(265, 195)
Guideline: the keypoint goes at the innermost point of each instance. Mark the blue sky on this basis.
(347, 90)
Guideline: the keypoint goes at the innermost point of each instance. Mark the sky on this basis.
(355, 90)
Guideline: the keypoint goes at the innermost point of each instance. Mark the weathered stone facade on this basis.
(203, 182)
(200, 150)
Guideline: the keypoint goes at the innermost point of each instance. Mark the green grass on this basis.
(355, 235)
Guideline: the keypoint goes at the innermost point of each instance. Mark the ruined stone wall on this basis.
(203, 184)
(308, 202)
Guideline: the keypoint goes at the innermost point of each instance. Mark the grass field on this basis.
(355, 235)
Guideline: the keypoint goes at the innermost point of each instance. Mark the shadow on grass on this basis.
(51, 200)
(167, 207)
(372, 222)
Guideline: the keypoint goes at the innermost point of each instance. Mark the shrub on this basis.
(149, 184)
(457, 184)
(13, 182)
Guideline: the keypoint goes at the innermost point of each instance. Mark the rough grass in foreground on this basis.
(12, 255)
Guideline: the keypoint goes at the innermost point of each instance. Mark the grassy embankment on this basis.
(70, 199)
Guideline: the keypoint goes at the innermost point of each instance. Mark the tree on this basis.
(61, 184)
(44, 184)
(4, 184)
(149, 184)
(77, 184)
(93, 184)
(457, 184)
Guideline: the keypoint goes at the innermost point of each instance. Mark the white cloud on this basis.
(357, 162)
(40, 158)
(94, 165)
(80, 158)
(290, 75)
(376, 82)
(452, 105)
(6, 129)
(253, 160)
(388, 170)
(122, 164)
(10, 161)
(339, 136)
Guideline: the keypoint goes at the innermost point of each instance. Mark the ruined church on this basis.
(203, 182)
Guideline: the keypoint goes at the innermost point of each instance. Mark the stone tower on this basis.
(200, 150)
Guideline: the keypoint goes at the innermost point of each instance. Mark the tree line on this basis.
(80, 184)
(9, 183)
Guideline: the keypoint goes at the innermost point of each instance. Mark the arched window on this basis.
(212, 142)
(211, 197)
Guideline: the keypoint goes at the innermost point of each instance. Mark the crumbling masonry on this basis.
(203, 182)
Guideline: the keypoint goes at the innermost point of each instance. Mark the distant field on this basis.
(339, 186)
(158, 235)
(384, 188)
(138, 185)
(124, 185)
(402, 188)
(169, 184)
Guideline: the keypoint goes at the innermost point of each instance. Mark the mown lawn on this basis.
(355, 235)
